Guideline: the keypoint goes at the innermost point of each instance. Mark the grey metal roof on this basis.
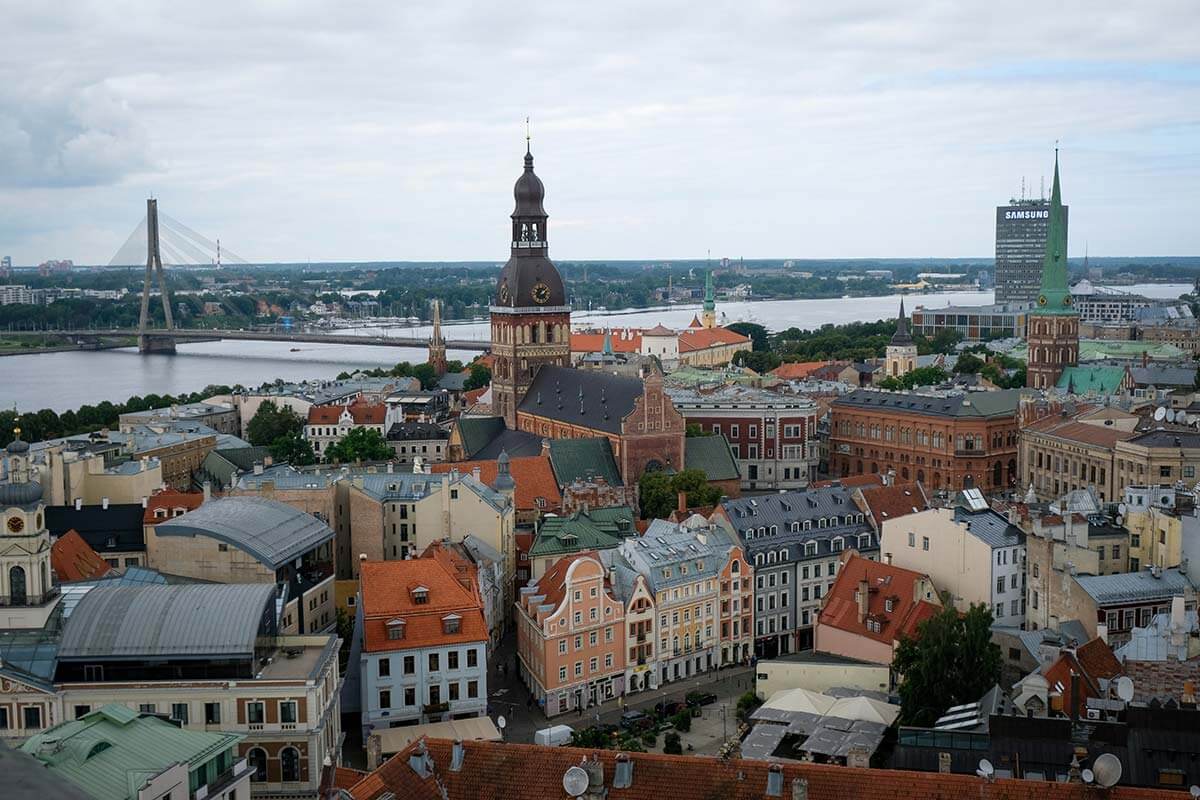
(787, 508)
(594, 400)
(1001, 403)
(670, 545)
(271, 531)
(1162, 437)
(990, 527)
(155, 621)
(1163, 375)
(1129, 587)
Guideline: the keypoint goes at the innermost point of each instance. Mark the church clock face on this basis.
(16, 524)
(541, 294)
(1042, 300)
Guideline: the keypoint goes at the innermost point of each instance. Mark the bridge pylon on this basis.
(156, 343)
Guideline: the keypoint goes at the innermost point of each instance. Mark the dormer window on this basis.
(889, 604)
(420, 595)
(451, 623)
(160, 513)
(395, 628)
(179, 512)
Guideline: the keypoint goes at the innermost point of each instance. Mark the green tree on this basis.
(746, 705)
(360, 444)
(293, 449)
(658, 492)
(921, 376)
(756, 332)
(968, 364)
(695, 429)
(759, 361)
(426, 375)
(480, 376)
(672, 744)
(272, 422)
(683, 720)
(951, 661)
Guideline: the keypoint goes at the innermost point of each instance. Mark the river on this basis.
(62, 381)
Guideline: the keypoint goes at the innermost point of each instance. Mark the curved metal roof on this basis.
(271, 531)
(200, 621)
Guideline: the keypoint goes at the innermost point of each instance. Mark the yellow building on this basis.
(1155, 527)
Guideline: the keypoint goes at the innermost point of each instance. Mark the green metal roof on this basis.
(578, 532)
(711, 454)
(111, 752)
(576, 459)
(1092, 380)
(477, 432)
(1055, 294)
(1100, 349)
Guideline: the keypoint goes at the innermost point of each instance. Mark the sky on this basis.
(296, 130)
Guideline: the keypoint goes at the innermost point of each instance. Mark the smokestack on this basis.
(863, 594)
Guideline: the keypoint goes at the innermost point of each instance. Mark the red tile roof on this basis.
(505, 771)
(884, 581)
(797, 369)
(456, 563)
(594, 342)
(73, 560)
(387, 594)
(170, 501)
(889, 502)
(1083, 432)
(472, 397)
(694, 339)
(552, 584)
(1089, 663)
(361, 413)
(533, 477)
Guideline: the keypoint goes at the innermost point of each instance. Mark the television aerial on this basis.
(986, 770)
(1107, 769)
(575, 781)
(1160, 414)
(1125, 688)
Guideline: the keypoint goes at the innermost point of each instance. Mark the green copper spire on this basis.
(1055, 296)
(710, 299)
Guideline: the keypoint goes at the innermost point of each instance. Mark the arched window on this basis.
(257, 757)
(758, 559)
(783, 555)
(734, 567)
(16, 586)
(289, 764)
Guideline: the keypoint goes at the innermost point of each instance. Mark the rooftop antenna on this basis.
(1043, 189)
(528, 137)
(1022, 187)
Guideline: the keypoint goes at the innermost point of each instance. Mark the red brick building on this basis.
(945, 441)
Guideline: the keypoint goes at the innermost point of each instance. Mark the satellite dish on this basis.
(986, 770)
(1170, 415)
(1182, 418)
(1108, 770)
(1120, 519)
(1125, 688)
(501, 722)
(1121, 508)
(1194, 791)
(1160, 414)
(575, 781)
(1088, 776)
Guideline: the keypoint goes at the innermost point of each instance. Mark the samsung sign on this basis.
(1041, 214)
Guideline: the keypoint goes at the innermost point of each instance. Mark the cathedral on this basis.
(1053, 325)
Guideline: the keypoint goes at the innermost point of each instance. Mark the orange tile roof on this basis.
(889, 502)
(456, 563)
(694, 339)
(1084, 432)
(361, 413)
(1098, 660)
(552, 584)
(851, 481)
(507, 771)
(387, 594)
(695, 323)
(72, 559)
(797, 369)
(170, 500)
(533, 477)
(884, 581)
(594, 342)
(472, 397)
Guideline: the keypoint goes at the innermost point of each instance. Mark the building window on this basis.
(80, 711)
(287, 712)
(410, 696)
(148, 708)
(257, 758)
(562, 674)
(410, 665)
(254, 713)
(385, 667)
(179, 713)
(453, 696)
(472, 689)
(385, 698)
(289, 764)
(924, 542)
(212, 713)
(434, 662)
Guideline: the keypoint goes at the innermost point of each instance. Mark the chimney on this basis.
(207, 489)
(944, 763)
(623, 776)
(268, 459)
(681, 503)
(391, 467)
(1102, 632)
(545, 447)
(258, 468)
(145, 501)
(863, 595)
(475, 473)
(800, 789)
(887, 558)
(104, 503)
(595, 773)
(78, 503)
(1178, 615)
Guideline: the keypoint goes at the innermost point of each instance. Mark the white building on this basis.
(424, 645)
(970, 551)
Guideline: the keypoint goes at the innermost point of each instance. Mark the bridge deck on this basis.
(188, 334)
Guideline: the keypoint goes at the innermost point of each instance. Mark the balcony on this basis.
(435, 708)
(970, 453)
(225, 780)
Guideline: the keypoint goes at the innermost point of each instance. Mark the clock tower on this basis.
(531, 321)
(27, 593)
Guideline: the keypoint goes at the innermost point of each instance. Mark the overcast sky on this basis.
(347, 131)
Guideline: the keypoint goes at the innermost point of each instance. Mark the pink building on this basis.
(870, 607)
(570, 636)
(737, 608)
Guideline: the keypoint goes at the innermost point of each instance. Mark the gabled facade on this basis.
(570, 636)
(327, 425)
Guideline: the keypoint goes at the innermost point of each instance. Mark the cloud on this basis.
(69, 137)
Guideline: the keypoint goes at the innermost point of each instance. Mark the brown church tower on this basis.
(531, 321)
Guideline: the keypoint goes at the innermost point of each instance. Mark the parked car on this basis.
(554, 736)
(700, 698)
(668, 708)
(634, 720)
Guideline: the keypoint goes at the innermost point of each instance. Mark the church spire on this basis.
(1055, 295)
(708, 317)
(437, 345)
(902, 335)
